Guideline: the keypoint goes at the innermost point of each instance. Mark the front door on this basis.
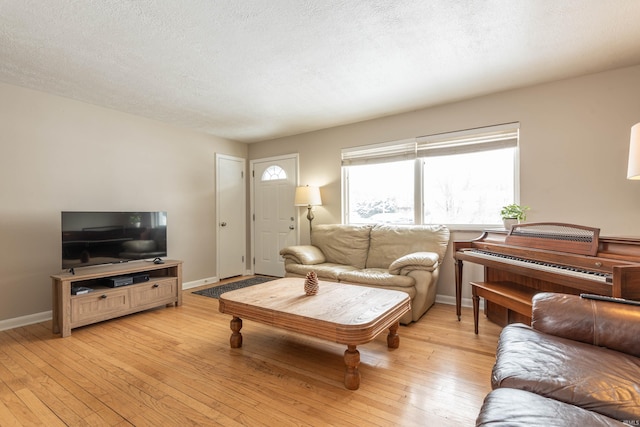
(275, 219)
(231, 216)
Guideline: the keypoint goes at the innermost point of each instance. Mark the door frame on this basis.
(296, 157)
(218, 157)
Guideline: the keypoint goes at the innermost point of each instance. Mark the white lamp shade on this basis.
(307, 196)
(633, 170)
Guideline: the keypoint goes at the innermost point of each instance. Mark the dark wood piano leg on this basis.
(458, 288)
(476, 308)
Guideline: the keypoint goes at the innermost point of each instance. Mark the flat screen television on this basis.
(92, 238)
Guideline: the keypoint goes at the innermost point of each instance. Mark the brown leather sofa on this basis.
(578, 364)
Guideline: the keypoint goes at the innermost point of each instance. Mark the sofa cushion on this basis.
(376, 277)
(326, 270)
(515, 408)
(595, 378)
(581, 319)
(342, 244)
(390, 242)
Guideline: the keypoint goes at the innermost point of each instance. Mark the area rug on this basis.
(216, 291)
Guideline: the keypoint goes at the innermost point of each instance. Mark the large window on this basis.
(459, 179)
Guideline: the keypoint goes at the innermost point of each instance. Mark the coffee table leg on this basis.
(236, 336)
(393, 339)
(352, 374)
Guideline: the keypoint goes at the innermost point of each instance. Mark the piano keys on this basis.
(598, 276)
(548, 257)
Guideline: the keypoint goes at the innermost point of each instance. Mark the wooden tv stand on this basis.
(71, 311)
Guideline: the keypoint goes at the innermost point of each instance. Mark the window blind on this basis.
(380, 153)
(467, 141)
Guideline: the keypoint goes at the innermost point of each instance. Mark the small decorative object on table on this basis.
(311, 283)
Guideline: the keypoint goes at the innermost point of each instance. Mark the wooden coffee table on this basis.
(346, 314)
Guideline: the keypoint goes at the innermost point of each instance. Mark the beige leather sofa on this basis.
(577, 365)
(405, 258)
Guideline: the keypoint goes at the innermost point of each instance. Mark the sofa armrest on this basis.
(307, 255)
(602, 323)
(427, 261)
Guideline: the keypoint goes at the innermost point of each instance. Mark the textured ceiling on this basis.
(251, 70)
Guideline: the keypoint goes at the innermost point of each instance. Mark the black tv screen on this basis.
(91, 238)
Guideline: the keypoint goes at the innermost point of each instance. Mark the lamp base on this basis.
(309, 216)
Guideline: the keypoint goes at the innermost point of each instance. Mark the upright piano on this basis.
(548, 257)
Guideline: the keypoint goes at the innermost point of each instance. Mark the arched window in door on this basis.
(273, 172)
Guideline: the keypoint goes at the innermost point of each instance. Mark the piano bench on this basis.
(509, 295)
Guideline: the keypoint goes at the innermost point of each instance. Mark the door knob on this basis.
(223, 224)
(291, 227)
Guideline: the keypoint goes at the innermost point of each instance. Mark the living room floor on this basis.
(174, 366)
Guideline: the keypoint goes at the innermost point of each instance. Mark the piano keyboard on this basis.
(543, 266)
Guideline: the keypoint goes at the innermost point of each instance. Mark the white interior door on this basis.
(231, 215)
(275, 221)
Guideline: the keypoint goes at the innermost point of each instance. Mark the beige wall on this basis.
(574, 141)
(58, 154)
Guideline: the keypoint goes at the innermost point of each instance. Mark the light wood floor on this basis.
(174, 367)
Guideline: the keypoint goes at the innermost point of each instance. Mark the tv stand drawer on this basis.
(154, 292)
(97, 306)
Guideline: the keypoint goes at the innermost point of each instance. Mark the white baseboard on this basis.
(446, 299)
(206, 281)
(466, 302)
(200, 282)
(29, 319)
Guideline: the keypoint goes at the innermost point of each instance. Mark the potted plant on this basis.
(512, 214)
